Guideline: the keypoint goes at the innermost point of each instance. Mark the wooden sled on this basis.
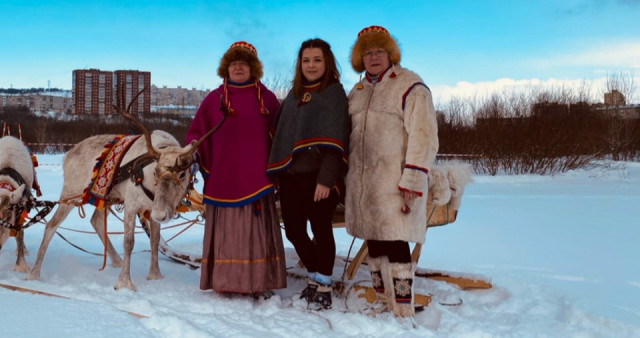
(437, 216)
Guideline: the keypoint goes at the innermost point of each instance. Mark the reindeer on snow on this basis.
(161, 173)
(16, 180)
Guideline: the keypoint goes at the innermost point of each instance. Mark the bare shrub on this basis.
(71, 129)
(539, 132)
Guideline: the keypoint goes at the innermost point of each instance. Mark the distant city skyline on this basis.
(458, 47)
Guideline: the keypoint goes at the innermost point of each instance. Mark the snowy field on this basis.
(562, 253)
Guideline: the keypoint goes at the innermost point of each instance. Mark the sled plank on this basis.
(31, 291)
(370, 296)
(42, 293)
(462, 282)
(357, 260)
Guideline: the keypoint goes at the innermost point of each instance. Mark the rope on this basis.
(433, 210)
(85, 250)
(77, 247)
(181, 231)
(116, 215)
(105, 238)
(93, 232)
(198, 219)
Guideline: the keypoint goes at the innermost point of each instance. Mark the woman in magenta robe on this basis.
(242, 249)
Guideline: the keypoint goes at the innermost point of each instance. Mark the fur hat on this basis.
(243, 51)
(373, 36)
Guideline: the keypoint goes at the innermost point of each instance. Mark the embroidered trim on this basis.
(227, 102)
(376, 281)
(273, 168)
(311, 87)
(239, 201)
(408, 190)
(404, 96)
(402, 289)
(415, 167)
(247, 261)
(105, 169)
(379, 78)
(241, 85)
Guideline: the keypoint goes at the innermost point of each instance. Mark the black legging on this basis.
(397, 251)
(297, 205)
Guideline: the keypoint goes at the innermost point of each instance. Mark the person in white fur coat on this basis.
(393, 142)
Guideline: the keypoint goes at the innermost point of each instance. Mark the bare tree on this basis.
(279, 85)
(624, 82)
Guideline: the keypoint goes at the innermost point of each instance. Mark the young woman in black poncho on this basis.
(308, 158)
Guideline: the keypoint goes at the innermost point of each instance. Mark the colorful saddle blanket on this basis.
(105, 170)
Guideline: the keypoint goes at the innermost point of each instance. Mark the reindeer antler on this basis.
(185, 159)
(152, 152)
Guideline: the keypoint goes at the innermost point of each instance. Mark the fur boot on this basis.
(402, 301)
(380, 281)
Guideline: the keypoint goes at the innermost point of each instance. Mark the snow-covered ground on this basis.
(561, 253)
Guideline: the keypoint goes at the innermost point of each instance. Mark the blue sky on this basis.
(453, 45)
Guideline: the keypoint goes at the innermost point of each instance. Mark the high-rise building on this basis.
(96, 92)
(129, 83)
(92, 92)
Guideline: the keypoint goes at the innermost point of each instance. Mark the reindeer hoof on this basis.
(128, 285)
(33, 275)
(21, 268)
(155, 276)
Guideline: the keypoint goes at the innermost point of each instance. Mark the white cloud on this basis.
(621, 54)
(592, 88)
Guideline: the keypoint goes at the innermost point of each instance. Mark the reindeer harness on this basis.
(27, 203)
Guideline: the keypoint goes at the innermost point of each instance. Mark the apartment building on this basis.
(177, 96)
(128, 83)
(96, 92)
(92, 91)
(176, 100)
(59, 102)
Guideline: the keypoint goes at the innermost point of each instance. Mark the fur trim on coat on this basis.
(391, 148)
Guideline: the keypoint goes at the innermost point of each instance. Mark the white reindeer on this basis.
(16, 179)
(167, 177)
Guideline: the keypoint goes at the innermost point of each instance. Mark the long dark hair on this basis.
(331, 73)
